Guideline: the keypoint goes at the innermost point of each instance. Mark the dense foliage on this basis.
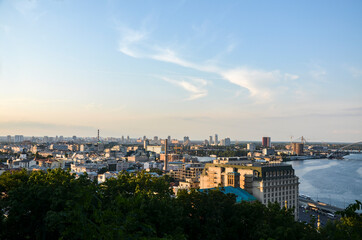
(57, 205)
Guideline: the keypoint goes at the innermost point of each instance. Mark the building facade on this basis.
(298, 148)
(266, 142)
(267, 182)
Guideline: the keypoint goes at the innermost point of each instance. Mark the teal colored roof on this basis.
(241, 194)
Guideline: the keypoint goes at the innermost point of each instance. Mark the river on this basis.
(332, 181)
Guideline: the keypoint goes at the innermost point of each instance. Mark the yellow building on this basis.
(266, 182)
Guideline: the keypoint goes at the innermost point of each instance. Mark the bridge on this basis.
(341, 152)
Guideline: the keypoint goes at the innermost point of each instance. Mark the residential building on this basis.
(250, 147)
(189, 170)
(266, 142)
(266, 182)
(216, 141)
(298, 148)
(19, 138)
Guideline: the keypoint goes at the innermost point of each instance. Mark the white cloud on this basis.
(195, 86)
(356, 73)
(289, 76)
(129, 41)
(259, 83)
(262, 85)
(167, 55)
(318, 72)
(29, 9)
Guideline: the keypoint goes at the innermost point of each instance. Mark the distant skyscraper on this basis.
(250, 147)
(210, 140)
(227, 142)
(19, 138)
(8, 139)
(216, 140)
(166, 156)
(186, 138)
(145, 144)
(298, 148)
(266, 142)
(122, 139)
(169, 139)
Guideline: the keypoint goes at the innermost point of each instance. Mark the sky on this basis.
(242, 69)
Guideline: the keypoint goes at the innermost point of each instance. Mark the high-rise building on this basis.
(169, 139)
(266, 182)
(227, 142)
(298, 148)
(8, 139)
(216, 140)
(266, 142)
(210, 140)
(165, 165)
(19, 138)
(145, 144)
(250, 147)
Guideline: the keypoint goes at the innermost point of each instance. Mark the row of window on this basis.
(274, 189)
(274, 183)
(280, 194)
(280, 173)
(281, 201)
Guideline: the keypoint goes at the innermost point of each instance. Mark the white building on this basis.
(103, 177)
(19, 138)
(250, 147)
(267, 182)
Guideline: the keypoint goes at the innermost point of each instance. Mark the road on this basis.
(308, 215)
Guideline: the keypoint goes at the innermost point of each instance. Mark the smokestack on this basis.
(166, 157)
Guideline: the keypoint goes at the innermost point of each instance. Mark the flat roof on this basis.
(241, 194)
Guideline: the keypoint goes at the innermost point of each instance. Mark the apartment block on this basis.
(266, 182)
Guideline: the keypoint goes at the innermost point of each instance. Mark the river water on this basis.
(332, 181)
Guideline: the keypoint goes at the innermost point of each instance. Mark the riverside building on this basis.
(266, 182)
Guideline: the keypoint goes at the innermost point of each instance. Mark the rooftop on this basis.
(241, 194)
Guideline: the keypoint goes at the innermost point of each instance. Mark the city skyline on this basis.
(239, 69)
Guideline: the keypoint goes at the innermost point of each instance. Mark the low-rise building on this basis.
(189, 170)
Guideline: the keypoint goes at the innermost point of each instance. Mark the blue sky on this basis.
(242, 69)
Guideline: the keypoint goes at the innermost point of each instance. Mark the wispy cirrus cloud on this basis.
(130, 41)
(195, 86)
(355, 72)
(318, 72)
(262, 85)
(259, 83)
(29, 9)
